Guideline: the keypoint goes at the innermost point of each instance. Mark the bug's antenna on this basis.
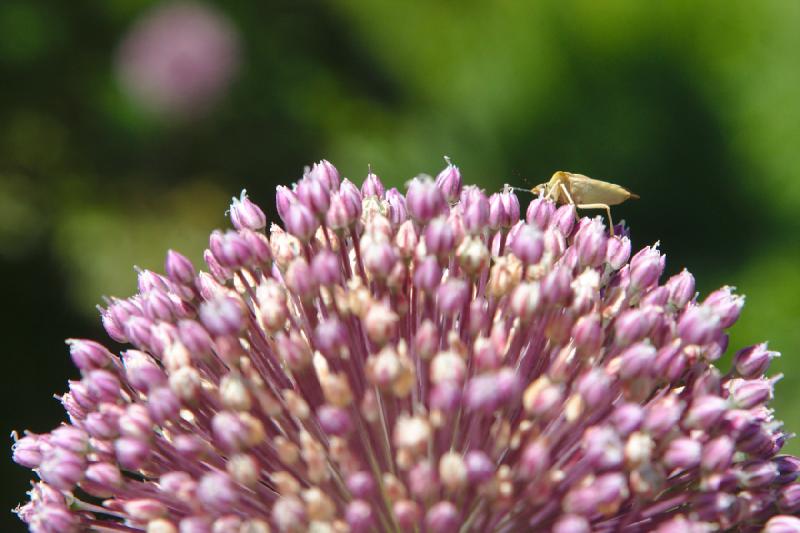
(507, 186)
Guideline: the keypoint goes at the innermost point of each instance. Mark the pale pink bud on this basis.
(245, 214)
(443, 517)
(449, 181)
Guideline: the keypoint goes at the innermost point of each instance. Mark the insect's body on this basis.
(584, 192)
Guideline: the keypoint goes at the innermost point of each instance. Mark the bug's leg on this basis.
(569, 199)
(600, 206)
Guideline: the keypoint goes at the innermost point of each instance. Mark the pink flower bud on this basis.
(61, 468)
(422, 480)
(699, 325)
(70, 438)
(503, 209)
(372, 186)
(359, 516)
(141, 371)
(705, 411)
(428, 274)
(572, 523)
(217, 491)
(334, 420)
(789, 499)
(361, 484)
(683, 453)
(258, 245)
(681, 289)
(474, 210)
(326, 268)
(726, 305)
(717, 454)
(528, 245)
(564, 219)
(782, 524)
(222, 316)
(591, 243)
(452, 296)
(439, 237)
(540, 212)
(646, 268)
(449, 181)
(636, 361)
(315, 195)
(88, 355)
(535, 459)
(443, 517)
(407, 514)
(424, 200)
(446, 396)
(246, 215)
(398, 212)
(627, 418)
(752, 362)
(163, 405)
(750, 393)
(618, 251)
(103, 386)
(28, 451)
(300, 221)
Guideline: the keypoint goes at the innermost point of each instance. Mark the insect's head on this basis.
(542, 188)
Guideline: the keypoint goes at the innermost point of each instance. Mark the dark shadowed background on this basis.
(127, 125)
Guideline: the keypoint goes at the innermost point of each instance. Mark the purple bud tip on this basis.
(699, 325)
(179, 269)
(315, 195)
(245, 214)
(528, 244)
(372, 186)
(325, 173)
(782, 524)
(88, 355)
(424, 199)
(503, 209)
(443, 517)
(361, 484)
(284, 199)
(359, 516)
(439, 237)
(646, 268)
(752, 362)
(449, 181)
(222, 316)
(398, 212)
(300, 221)
(540, 212)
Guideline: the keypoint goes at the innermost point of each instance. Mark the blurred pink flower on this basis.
(178, 59)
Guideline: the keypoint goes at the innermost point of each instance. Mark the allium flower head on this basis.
(427, 361)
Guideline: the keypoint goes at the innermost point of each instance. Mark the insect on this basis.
(584, 192)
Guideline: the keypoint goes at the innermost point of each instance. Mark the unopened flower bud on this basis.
(753, 361)
(246, 214)
(449, 181)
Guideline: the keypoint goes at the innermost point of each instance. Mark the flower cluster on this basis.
(427, 361)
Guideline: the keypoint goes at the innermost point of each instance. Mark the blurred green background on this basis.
(694, 105)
